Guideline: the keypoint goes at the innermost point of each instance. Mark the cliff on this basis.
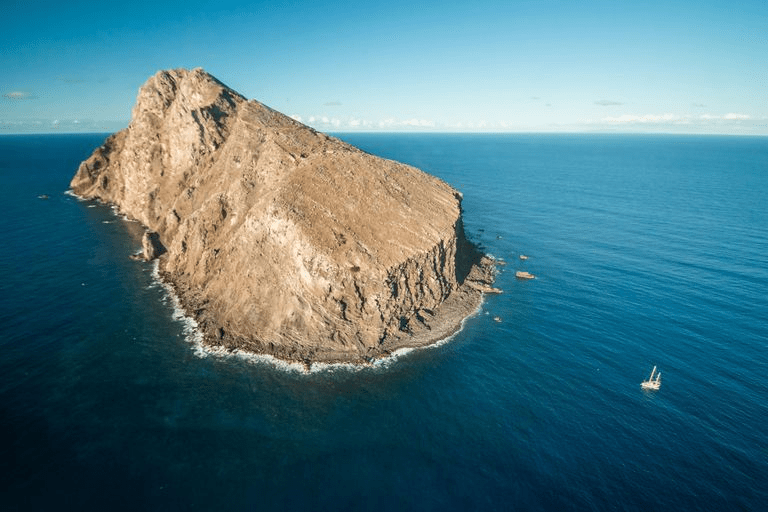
(282, 240)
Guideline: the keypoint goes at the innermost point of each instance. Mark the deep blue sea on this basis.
(648, 251)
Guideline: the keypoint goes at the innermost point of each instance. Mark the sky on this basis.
(436, 66)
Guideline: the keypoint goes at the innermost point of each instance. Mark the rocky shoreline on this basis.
(432, 326)
(445, 321)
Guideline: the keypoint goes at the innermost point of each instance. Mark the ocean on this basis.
(648, 250)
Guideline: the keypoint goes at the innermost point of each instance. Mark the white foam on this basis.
(190, 328)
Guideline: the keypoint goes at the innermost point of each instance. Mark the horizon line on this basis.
(447, 132)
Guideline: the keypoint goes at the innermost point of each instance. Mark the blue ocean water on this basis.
(648, 250)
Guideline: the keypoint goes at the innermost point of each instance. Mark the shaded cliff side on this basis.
(282, 240)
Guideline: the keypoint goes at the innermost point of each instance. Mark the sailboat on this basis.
(652, 383)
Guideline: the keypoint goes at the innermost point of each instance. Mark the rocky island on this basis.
(279, 239)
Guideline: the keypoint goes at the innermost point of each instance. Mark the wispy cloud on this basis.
(647, 118)
(608, 103)
(423, 123)
(732, 122)
(727, 117)
(325, 122)
(356, 123)
(19, 95)
(59, 125)
(332, 104)
(408, 123)
(675, 118)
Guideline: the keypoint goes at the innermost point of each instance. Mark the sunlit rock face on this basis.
(279, 239)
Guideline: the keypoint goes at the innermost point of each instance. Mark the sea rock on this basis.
(279, 239)
(151, 246)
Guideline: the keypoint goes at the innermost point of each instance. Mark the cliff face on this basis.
(280, 239)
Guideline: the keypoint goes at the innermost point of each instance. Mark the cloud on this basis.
(727, 117)
(332, 104)
(608, 103)
(704, 123)
(19, 95)
(296, 117)
(648, 118)
(418, 123)
(325, 121)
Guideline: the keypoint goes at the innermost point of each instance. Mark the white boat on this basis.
(652, 383)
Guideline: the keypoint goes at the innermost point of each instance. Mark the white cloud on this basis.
(421, 123)
(296, 117)
(648, 118)
(18, 95)
(727, 117)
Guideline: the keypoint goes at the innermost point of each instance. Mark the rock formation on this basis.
(282, 240)
(151, 247)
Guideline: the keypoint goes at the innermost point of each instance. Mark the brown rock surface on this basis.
(282, 240)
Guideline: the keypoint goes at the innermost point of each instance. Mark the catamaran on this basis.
(652, 383)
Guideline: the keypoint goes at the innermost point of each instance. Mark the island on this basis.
(279, 239)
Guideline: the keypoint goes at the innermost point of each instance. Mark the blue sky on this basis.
(536, 66)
